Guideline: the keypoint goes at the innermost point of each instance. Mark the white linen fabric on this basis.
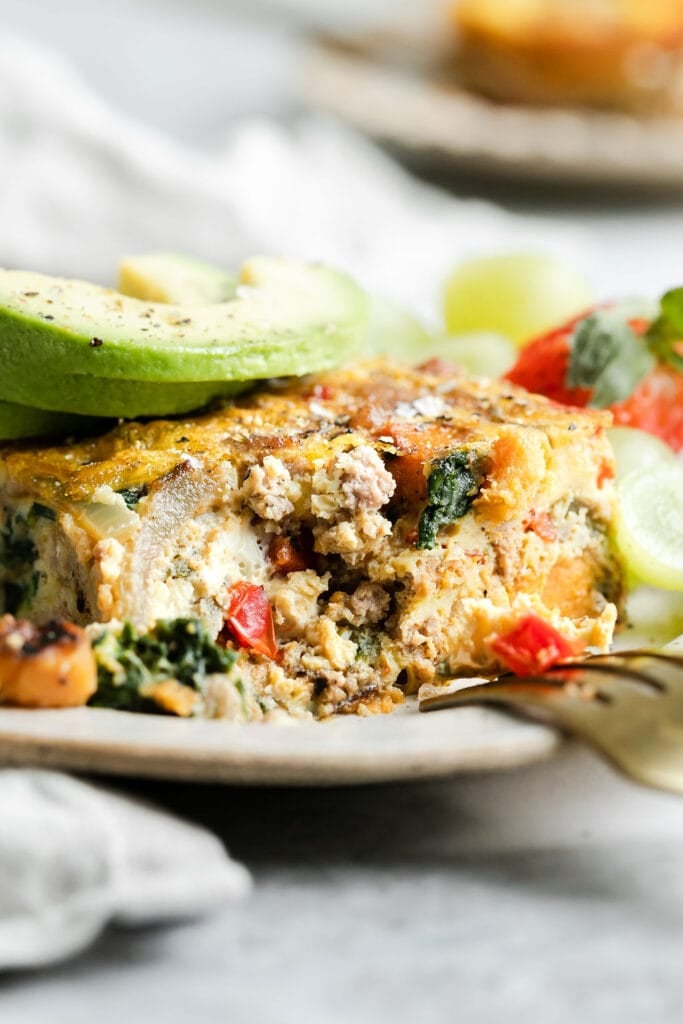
(74, 856)
(80, 185)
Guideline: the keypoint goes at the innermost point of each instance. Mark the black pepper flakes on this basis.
(96, 342)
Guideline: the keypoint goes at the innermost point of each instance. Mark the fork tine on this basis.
(664, 670)
(638, 652)
(531, 691)
(566, 694)
(601, 701)
(577, 671)
(636, 657)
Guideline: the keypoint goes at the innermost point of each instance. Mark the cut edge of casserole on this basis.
(397, 520)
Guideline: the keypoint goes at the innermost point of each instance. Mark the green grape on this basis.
(649, 524)
(393, 332)
(520, 296)
(636, 449)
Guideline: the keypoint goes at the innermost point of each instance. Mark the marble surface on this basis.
(552, 893)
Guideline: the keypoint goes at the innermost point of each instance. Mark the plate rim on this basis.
(251, 756)
(460, 129)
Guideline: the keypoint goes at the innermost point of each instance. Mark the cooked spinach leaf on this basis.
(13, 596)
(452, 486)
(368, 644)
(128, 662)
(39, 511)
(132, 495)
(18, 554)
(17, 550)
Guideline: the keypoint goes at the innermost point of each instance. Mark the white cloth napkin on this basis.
(74, 857)
(80, 185)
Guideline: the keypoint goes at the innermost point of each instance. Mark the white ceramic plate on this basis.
(402, 745)
(392, 95)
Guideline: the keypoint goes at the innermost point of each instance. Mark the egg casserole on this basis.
(394, 520)
(618, 54)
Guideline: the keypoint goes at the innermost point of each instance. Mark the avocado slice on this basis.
(160, 277)
(173, 277)
(286, 319)
(176, 278)
(17, 421)
(125, 399)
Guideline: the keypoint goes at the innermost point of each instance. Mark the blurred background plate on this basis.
(392, 86)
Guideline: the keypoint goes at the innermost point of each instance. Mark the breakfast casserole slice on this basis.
(612, 54)
(345, 538)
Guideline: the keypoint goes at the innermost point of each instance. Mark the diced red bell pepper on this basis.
(532, 647)
(250, 619)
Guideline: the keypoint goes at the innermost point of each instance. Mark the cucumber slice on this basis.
(654, 618)
(17, 421)
(172, 277)
(286, 319)
(636, 449)
(649, 524)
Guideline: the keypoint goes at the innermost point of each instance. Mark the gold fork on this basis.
(628, 706)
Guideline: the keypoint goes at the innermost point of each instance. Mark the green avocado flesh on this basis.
(18, 421)
(127, 399)
(286, 319)
(172, 277)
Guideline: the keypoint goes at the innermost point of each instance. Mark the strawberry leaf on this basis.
(672, 309)
(665, 335)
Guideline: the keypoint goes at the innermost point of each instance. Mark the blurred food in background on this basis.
(616, 54)
(563, 91)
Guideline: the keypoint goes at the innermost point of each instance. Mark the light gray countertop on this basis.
(552, 893)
